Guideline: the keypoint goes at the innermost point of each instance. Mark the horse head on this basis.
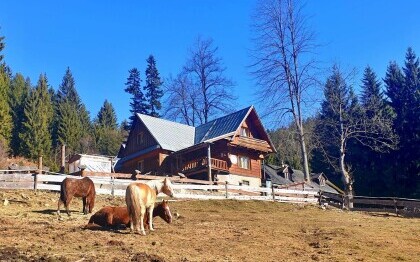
(167, 215)
(167, 187)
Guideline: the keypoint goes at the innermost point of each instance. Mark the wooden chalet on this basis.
(229, 148)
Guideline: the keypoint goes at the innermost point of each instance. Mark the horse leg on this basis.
(58, 207)
(84, 206)
(142, 212)
(67, 204)
(151, 217)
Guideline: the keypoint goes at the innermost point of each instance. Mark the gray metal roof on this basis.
(175, 136)
(296, 177)
(170, 135)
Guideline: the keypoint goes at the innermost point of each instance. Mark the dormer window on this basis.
(322, 181)
(244, 131)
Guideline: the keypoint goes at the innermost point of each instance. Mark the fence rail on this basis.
(191, 189)
(112, 186)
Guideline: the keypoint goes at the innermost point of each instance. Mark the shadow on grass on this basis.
(54, 212)
(399, 215)
(117, 230)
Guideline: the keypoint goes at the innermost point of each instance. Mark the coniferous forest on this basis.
(371, 136)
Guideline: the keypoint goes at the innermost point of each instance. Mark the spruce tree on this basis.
(138, 102)
(107, 135)
(5, 117)
(72, 119)
(38, 112)
(153, 87)
(372, 97)
(106, 116)
(18, 92)
(403, 90)
(2, 45)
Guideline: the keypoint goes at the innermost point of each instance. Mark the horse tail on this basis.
(133, 205)
(63, 195)
(92, 195)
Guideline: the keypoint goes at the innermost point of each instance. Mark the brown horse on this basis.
(113, 217)
(73, 187)
(140, 197)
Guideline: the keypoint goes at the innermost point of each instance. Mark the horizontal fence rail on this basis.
(203, 190)
(116, 187)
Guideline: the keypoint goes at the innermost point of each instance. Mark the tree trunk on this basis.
(348, 181)
(304, 155)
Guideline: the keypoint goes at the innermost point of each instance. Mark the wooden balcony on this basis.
(252, 143)
(202, 164)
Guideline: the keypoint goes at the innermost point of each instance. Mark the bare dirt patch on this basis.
(204, 231)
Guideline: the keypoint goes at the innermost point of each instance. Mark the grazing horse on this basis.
(140, 197)
(73, 187)
(113, 217)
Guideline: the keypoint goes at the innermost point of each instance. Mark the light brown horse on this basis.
(140, 197)
(113, 217)
(73, 187)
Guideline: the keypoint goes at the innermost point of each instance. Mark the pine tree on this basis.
(107, 135)
(19, 91)
(138, 101)
(5, 117)
(38, 112)
(372, 97)
(153, 87)
(2, 45)
(106, 116)
(403, 90)
(72, 119)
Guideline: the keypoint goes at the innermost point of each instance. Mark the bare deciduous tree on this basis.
(283, 66)
(182, 100)
(207, 72)
(343, 120)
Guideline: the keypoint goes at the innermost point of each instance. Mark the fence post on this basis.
(226, 187)
(320, 197)
(39, 171)
(395, 205)
(272, 191)
(112, 186)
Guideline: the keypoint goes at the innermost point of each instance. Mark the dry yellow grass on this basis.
(206, 231)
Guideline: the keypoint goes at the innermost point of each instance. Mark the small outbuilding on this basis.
(94, 163)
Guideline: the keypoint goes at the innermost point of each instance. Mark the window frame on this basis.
(240, 162)
(244, 132)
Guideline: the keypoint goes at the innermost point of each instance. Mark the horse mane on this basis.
(155, 185)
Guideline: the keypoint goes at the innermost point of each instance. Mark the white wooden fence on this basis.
(116, 187)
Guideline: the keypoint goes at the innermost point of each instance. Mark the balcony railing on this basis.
(202, 163)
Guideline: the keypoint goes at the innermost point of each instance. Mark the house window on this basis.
(245, 183)
(321, 181)
(140, 166)
(286, 175)
(244, 162)
(244, 131)
(140, 138)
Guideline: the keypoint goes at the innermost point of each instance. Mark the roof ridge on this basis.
(214, 120)
(165, 120)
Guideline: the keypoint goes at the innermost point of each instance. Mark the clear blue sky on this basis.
(101, 40)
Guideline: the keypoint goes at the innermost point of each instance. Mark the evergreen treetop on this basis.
(106, 116)
(153, 87)
(138, 102)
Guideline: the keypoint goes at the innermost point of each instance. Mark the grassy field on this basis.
(205, 231)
